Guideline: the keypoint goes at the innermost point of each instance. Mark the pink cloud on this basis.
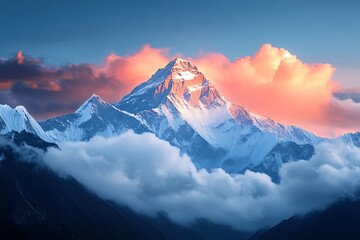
(131, 70)
(273, 82)
(20, 57)
(28, 81)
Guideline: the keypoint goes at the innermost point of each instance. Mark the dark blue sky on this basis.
(88, 30)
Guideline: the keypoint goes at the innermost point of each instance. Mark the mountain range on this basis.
(178, 104)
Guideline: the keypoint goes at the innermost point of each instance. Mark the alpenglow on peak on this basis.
(182, 70)
(183, 64)
(178, 78)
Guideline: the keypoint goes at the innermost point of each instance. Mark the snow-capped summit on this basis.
(93, 117)
(351, 138)
(182, 64)
(90, 107)
(183, 70)
(180, 105)
(93, 100)
(179, 78)
(18, 119)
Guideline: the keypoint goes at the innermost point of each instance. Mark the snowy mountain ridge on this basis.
(18, 119)
(178, 104)
(198, 94)
(93, 117)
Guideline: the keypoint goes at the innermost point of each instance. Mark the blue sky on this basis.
(88, 30)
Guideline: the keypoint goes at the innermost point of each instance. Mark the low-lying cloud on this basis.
(150, 176)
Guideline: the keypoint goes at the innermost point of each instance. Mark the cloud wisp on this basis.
(150, 176)
(348, 93)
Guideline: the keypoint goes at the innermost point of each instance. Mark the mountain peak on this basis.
(181, 63)
(182, 70)
(179, 79)
(18, 119)
(95, 98)
(91, 103)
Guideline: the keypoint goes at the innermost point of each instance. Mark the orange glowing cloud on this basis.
(5, 86)
(20, 57)
(275, 83)
(28, 81)
(129, 71)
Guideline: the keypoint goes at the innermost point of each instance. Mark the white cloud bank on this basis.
(150, 176)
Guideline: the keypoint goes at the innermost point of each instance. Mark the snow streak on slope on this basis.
(18, 119)
(351, 139)
(181, 106)
(94, 117)
(179, 97)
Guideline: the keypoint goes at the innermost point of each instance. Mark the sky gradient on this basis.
(63, 51)
(88, 30)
